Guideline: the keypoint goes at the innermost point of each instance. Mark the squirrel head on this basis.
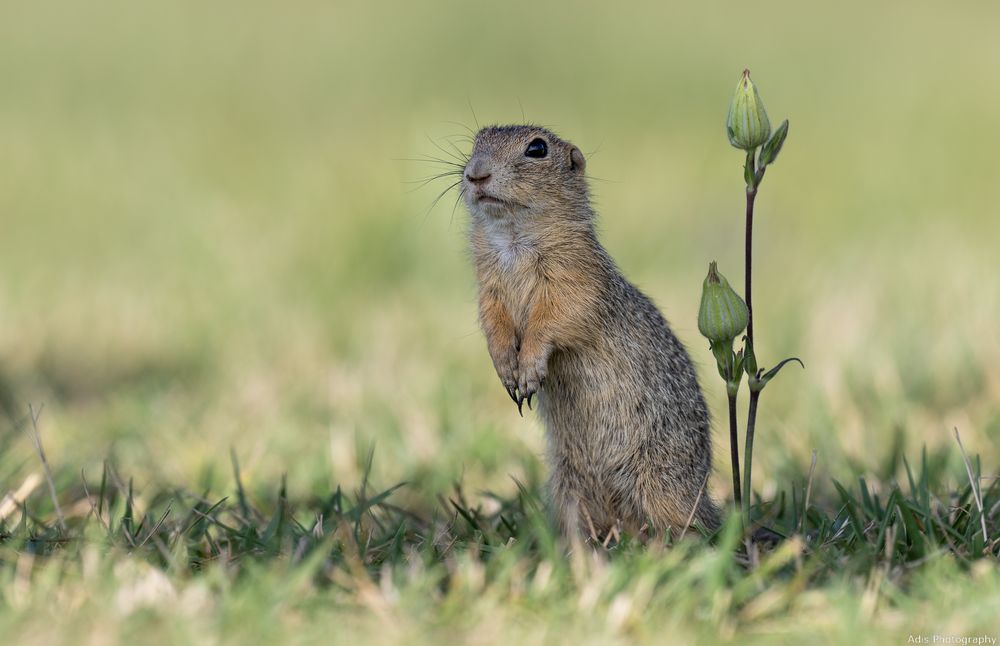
(522, 172)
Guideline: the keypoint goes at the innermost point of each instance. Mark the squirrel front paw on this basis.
(505, 362)
(530, 375)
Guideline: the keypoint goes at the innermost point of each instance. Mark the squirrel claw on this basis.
(512, 391)
(530, 395)
(520, 401)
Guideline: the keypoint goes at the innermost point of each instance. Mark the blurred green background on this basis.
(210, 237)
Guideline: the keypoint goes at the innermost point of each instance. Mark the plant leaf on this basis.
(769, 151)
(773, 371)
(750, 360)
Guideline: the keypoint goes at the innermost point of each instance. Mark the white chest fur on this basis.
(511, 248)
(515, 256)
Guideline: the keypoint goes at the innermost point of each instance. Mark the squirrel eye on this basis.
(537, 148)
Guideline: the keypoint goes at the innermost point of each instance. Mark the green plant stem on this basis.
(751, 197)
(734, 449)
(748, 297)
(748, 456)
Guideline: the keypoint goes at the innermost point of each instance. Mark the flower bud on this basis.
(747, 125)
(723, 314)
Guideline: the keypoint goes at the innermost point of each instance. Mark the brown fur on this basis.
(627, 427)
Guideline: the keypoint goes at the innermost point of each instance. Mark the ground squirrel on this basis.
(628, 434)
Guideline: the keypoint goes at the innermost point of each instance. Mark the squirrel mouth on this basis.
(486, 199)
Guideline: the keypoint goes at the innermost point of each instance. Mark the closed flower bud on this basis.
(747, 125)
(723, 314)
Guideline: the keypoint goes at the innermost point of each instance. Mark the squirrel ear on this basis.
(576, 160)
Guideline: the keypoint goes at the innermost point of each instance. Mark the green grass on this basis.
(210, 246)
(353, 565)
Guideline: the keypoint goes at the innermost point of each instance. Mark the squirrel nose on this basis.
(478, 171)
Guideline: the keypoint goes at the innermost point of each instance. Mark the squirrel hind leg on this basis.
(576, 512)
(667, 510)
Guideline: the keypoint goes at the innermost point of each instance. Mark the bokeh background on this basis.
(213, 237)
